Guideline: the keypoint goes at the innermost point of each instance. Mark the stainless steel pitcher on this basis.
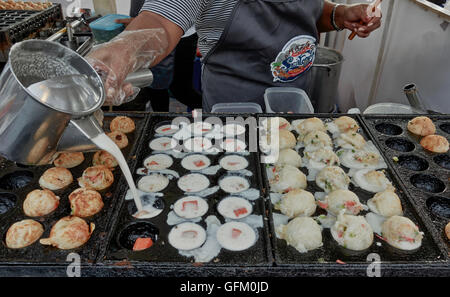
(33, 128)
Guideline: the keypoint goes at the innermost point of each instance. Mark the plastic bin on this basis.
(242, 107)
(287, 100)
(105, 28)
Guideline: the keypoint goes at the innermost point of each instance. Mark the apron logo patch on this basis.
(296, 57)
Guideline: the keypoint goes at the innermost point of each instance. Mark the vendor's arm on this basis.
(147, 40)
(349, 17)
(151, 20)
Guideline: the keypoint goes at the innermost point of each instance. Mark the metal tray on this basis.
(28, 177)
(415, 164)
(162, 253)
(18, 25)
(326, 256)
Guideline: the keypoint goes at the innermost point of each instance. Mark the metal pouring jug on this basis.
(33, 128)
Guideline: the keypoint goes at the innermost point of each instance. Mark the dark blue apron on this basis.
(266, 43)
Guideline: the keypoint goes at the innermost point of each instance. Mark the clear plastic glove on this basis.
(123, 55)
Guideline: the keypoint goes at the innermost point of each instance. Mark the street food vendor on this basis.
(247, 45)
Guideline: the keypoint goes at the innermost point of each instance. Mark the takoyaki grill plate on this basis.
(162, 253)
(18, 180)
(331, 255)
(425, 175)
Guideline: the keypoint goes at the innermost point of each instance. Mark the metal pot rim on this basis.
(342, 59)
(76, 114)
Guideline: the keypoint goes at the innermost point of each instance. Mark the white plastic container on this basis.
(240, 107)
(287, 100)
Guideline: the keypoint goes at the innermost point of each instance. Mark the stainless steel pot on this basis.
(33, 128)
(326, 72)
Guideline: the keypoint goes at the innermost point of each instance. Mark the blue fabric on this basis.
(163, 73)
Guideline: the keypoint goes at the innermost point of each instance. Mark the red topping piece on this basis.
(199, 163)
(235, 233)
(240, 211)
(142, 244)
(194, 203)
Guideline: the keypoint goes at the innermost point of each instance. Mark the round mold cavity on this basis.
(400, 145)
(166, 128)
(389, 129)
(412, 162)
(7, 202)
(445, 127)
(443, 161)
(158, 203)
(128, 236)
(23, 165)
(428, 183)
(439, 206)
(16, 180)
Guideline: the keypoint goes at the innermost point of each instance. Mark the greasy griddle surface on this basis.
(330, 252)
(40, 254)
(162, 253)
(419, 196)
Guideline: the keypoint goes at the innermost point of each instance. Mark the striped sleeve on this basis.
(181, 12)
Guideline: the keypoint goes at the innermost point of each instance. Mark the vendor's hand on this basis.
(126, 22)
(113, 72)
(125, 54)
(353, 15)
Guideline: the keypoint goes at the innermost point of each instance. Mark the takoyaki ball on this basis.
(303, 233)
(286, 140)
(318, 139)
(351, 140)
(283, 124)
(85, 203)
(340, 200)
(69, 160)
(119, 138)
(447, 231)
(23, 234)
(402, 233)
(297, 203)
(321, 158)
(421, 126)
(40, 203)
(435, 143)
(122, 124)
(69, 233)
(56, 178)
(372, 181)
(352, 232)
(104, 158)
(332, 178)
(96, 178)
(346, 124)
(386, 204)
(289, 157)
(304, 127)
(287, 178)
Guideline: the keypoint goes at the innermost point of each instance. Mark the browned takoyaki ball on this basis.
(40, 203)
(69, 233)
(119, 138)
(96, 178)
(56, 178)
(23, 234)
(122, 124)
(85, 202)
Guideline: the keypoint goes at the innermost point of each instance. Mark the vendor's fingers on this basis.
(370, 27)
(361, 34)
(128, 90)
